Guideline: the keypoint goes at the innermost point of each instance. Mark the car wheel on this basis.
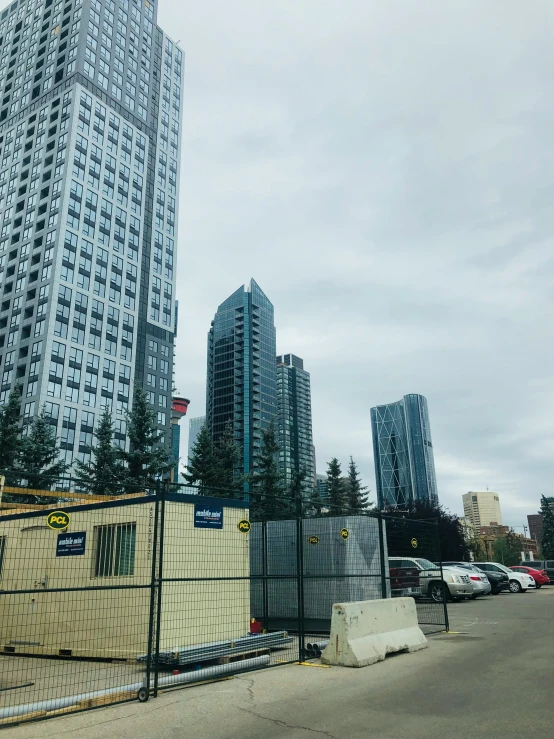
(436, 592)
(495, 592)
(515, 586)
(474, 597)
(538, 586)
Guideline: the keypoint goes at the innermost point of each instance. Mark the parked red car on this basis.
(539, 576)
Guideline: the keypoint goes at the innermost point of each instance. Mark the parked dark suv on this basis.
(498, 580)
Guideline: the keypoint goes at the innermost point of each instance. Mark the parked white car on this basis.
(519, 582)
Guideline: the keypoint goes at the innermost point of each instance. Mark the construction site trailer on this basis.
(86, 588)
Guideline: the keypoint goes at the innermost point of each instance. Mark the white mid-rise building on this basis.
(90, 127)
(482, 509)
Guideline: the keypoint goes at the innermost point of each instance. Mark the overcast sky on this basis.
(385, 171)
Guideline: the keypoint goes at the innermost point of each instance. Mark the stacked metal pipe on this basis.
(213, 650)
(314, 649)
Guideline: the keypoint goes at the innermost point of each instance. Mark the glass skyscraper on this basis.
(195, 425)
(294, 425)
(403, 452)
(241, 373)
(90, 126)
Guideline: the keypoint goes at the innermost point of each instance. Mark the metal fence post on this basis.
(444, 587)
(265, 601)
(381, 521)
(160, 493)
(300, 577)
(151, 618)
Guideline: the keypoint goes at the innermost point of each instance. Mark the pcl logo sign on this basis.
(243, 526)
(58, 520)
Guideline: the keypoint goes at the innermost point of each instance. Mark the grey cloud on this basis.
(386, 173)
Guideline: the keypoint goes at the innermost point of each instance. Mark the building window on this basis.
(115, 550)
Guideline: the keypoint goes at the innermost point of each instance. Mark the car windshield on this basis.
(463, 565)
(425, 564)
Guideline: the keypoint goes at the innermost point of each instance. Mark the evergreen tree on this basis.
(357, 500)
(104, 474)
(10, 440)
(336, 489)
(202, 469)
(38, 458)
(547, 541)
(268, 500)
(227, 456)
(295, 500)
(147, 459)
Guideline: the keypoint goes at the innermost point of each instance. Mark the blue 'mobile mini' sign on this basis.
(208, 516)
(71, 544)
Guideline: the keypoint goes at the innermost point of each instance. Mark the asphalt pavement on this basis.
(492, 676)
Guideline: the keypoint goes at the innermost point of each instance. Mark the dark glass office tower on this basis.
(242, 376)
(403, 452)
(294, 425)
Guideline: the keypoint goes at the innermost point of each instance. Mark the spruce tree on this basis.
(38, 458)
(202, 469)
(295, 500)
(336, 489)
(147, 459)
(357, 500)
(227, 456)
(547, 541)
(268, 501)
(10, 440)
(104, 474)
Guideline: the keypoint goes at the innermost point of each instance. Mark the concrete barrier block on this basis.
(365, 632)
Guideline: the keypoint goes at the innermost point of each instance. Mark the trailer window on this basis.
(115, 550)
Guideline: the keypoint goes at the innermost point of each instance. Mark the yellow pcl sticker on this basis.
(414, 543)
(244, 526)
(313, 539)
(58, 520)
(344, 533)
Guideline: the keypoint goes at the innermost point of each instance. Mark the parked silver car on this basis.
(479, 581)
(458, 583)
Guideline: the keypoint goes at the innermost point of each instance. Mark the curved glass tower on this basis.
(403, 452)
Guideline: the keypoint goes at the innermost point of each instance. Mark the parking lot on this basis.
(491, 676)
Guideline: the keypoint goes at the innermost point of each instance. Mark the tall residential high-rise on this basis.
(195, 424)
(90, 127)
(403, 452)
(294, 420)
(482, 509)
(535, 522)
(241, 374)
